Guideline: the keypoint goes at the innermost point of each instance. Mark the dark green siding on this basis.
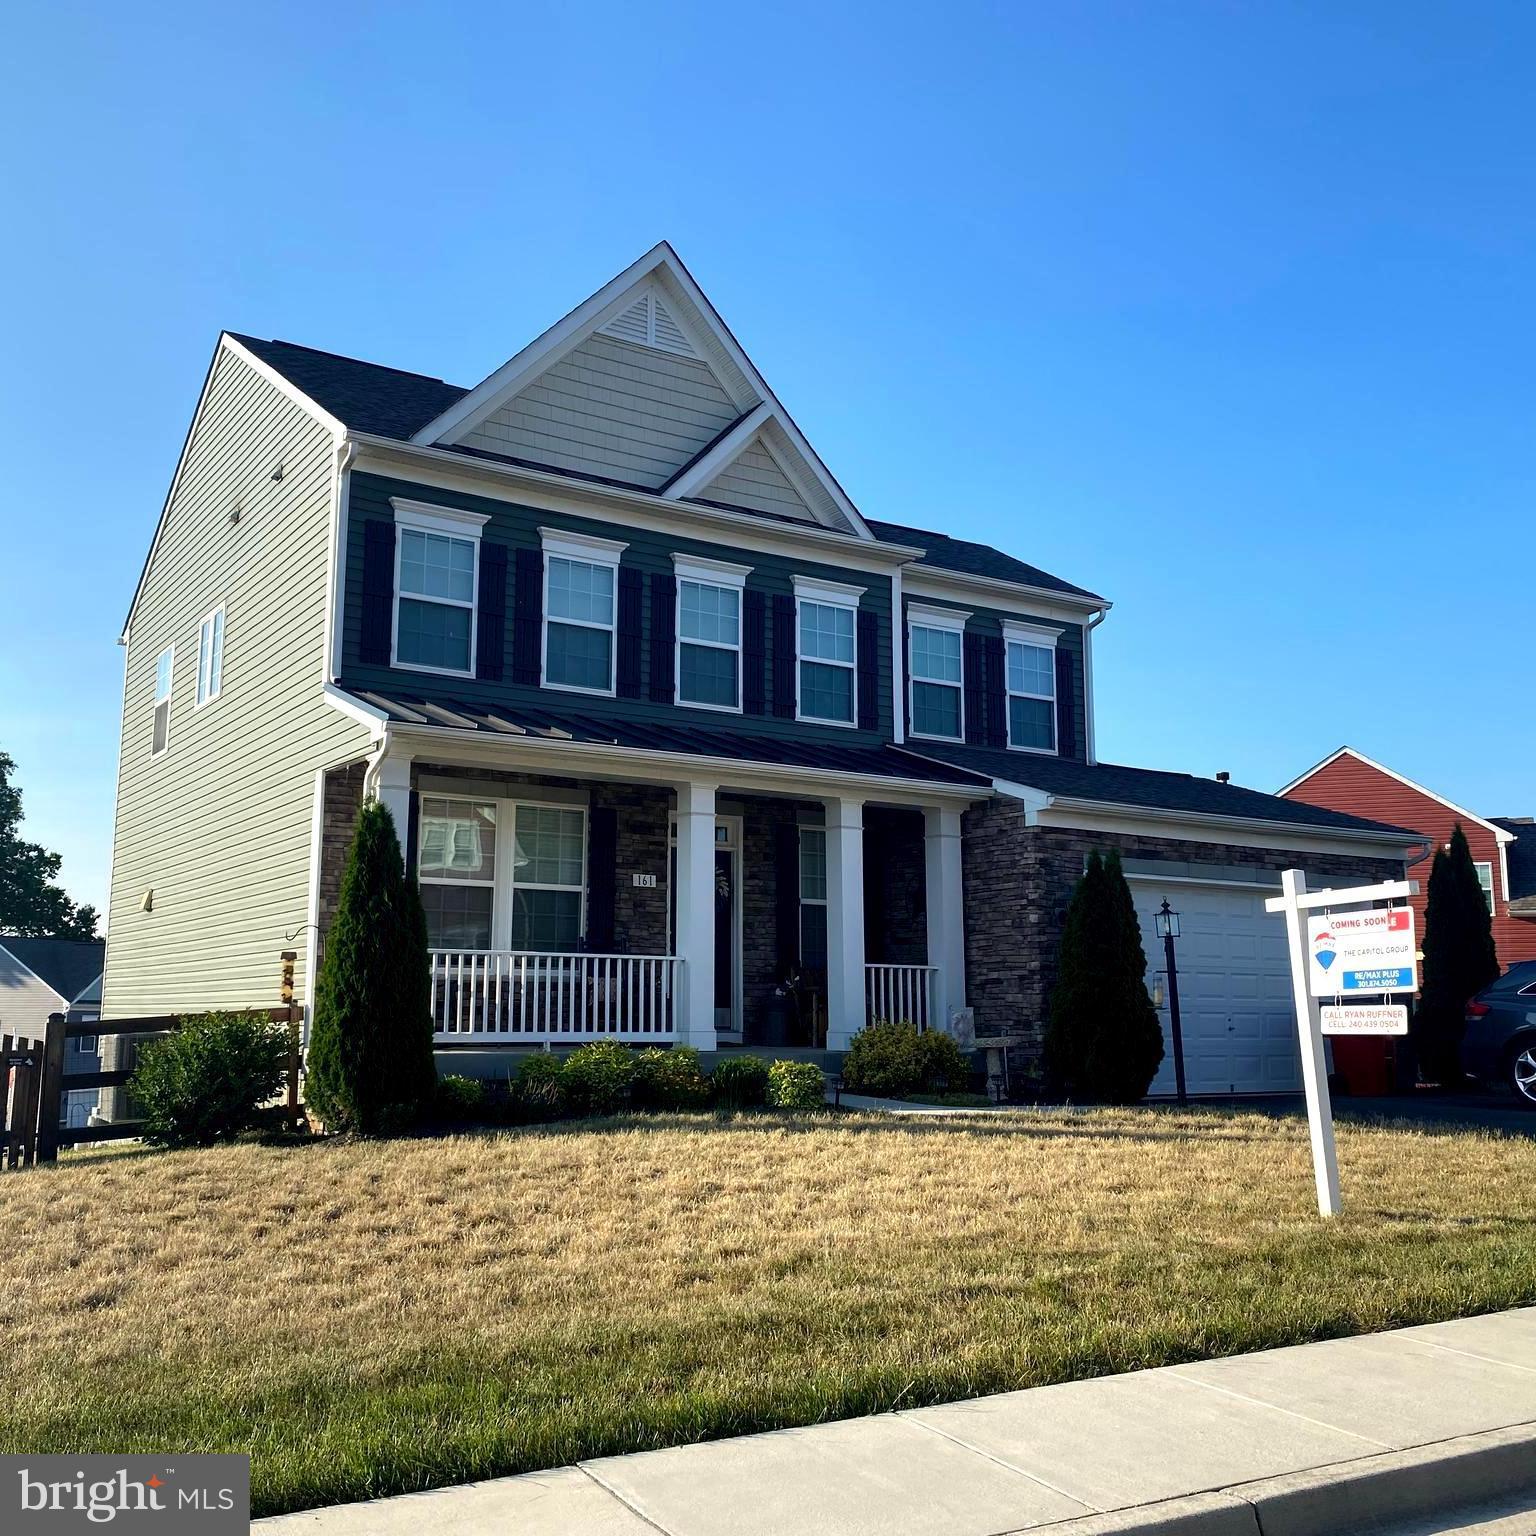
(989, 621)
(648, 551)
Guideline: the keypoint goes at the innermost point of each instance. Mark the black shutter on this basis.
(663, 637)
(783, 656)
(786, 890)
(995, 680)
(412, 834)
(631, 585)
(974, 657)
(1066, 705)
(869, 670)
(491, 621)
(378, 592)
(602, 877)
(754, 653)
(528, 617)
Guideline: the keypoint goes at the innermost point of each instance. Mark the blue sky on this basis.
(1220, 309)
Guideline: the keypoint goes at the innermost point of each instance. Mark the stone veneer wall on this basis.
(343, 800)
(1019, 881)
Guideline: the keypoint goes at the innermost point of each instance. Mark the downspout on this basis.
(898, 662)
(1088, 629)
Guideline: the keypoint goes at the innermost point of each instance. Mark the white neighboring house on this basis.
(39, 977)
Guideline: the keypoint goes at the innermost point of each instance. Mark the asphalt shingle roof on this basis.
(540, 724)
(67, 965)
(1116, 784)
(389, 402)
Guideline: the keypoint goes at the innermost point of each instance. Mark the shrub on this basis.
(669, 1079)
(538, 1090)
(1103, 1041)
(885, 1060)
(460, 1098)
(739, 1082)
(1459, 959)
(370, 1054)
(796, 1085)
(945, 1067)
(209, 1080)
(598, 1077)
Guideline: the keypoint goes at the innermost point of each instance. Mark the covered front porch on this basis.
(751, 911)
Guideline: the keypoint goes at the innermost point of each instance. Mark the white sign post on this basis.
(1374, 940)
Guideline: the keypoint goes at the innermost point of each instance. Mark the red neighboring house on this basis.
(1503, 847)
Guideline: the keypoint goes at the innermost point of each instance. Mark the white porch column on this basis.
(946, 908)
(845, 922)
(391, 786)
(695, 940)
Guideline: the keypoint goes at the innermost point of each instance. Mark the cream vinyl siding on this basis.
(25, 1001)
(218, 825)
(613, 409)
(755, 481)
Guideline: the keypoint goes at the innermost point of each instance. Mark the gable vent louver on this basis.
(649, 323)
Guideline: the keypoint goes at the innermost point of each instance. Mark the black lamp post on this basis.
(1168, 930)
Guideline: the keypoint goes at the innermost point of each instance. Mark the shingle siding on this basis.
(755, 481)
(646, 551)
(612, 409)
(218, 826)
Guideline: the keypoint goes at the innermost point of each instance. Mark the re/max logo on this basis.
(104, 1500)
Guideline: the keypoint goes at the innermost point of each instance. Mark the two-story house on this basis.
(682, 745)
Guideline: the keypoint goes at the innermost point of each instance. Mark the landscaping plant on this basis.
(669, 1080)
(460, 1098)
(598, 1078)
(208, 1081)
(796, 1085)
(1459, 959)
(739, 1082)
(370, 1055)
(538, 1090)
(1103, 1042)
(884, 1060)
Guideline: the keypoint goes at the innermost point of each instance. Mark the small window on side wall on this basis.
(1485, 879)
(160, 733)
(210, 657)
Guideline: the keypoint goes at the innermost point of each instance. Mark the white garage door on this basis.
(1234, 989)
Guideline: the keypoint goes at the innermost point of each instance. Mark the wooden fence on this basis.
(34, 1083)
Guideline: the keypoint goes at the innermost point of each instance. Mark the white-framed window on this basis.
(1030, 664)
(160, 730)
(210, 657)
(502, 874)
(437, 572)
(85, 1045)
(709, 600)
(1485, 879)
(826, 629)
(813, 897)
(581, 582)
(936, 672)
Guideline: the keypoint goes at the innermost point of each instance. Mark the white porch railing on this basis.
(903, 994)
(517, 997)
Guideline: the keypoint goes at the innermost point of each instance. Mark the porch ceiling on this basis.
(553, 727)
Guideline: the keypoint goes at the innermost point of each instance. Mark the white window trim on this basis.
(204, 661)
(156, 701)
(1043, 637)
(709, 573)
(424, 517)
(589, 550)
(831, 594)
(1490, 890)
(953, 620)
(504, 883)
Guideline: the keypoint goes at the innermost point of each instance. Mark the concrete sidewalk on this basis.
(1386, 1432)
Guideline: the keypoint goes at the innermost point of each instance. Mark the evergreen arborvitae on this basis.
(1103, 1040)
(1459, 959)
(370, 1066)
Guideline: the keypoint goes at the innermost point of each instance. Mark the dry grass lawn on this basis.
(370, 1318)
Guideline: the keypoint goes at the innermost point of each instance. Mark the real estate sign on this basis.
(1366, 1019)
(1355, 952)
